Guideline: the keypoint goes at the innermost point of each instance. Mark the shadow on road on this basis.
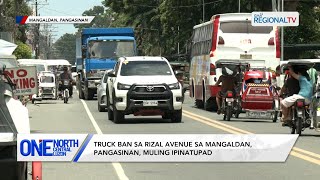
(145, 121)
(310, 135)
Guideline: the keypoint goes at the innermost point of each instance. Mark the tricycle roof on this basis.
(235, 62)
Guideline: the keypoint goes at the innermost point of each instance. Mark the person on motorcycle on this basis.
(290, 87)
(229, 83)
(66, 76)
(305, 92)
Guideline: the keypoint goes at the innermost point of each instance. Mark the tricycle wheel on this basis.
(36, 171)
(229, 113)
(275, 116)
(236, 115)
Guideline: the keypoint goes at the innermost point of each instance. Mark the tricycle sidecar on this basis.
(259, 97)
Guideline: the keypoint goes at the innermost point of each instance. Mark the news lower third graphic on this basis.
(154, 147)
(53, 19)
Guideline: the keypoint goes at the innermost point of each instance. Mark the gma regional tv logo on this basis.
(275, 19)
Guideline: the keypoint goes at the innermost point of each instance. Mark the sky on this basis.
(64, 8)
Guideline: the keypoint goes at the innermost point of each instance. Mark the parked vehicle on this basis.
(99, 49)
(101, 92)
(14, 119)
(259, 98)
(143, 86)
(228, 36)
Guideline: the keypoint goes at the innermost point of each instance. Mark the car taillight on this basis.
(229, 95)
(300, 104)
(271, 41)
(221, 40)
(212, 69)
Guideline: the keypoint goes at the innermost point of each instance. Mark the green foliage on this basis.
(9, 10)
(65, 47)
(156, 22)
(103, 18)
(23, 51)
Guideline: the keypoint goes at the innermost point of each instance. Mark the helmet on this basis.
(227, 71)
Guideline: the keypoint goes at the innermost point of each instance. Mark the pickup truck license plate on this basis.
(259, 114)
(150, 103)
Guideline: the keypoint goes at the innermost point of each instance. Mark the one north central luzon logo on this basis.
(47, 147)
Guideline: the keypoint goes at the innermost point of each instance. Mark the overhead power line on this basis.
(186, 6)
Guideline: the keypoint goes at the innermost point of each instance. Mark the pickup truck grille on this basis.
(149, 92)
(47, 91)
(145, 89)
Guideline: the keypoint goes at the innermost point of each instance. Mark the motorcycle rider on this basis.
(229, 83)
(66, 76)
(290, 87)
(305, 92)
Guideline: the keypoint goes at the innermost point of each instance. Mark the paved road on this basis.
(56, 117)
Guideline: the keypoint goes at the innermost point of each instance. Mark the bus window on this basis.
(244, 27)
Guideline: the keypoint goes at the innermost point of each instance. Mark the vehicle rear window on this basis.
(47, 79)
(243, 27)
(145, 68)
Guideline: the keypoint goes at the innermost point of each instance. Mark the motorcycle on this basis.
(64, 94)
(300, 117)
(228, 105)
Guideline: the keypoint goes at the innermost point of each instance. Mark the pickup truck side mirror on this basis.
(73, 69)
(111, 74)
(178, 72)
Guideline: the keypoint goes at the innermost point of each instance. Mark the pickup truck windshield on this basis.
(110, 49)
(145, 68)
(10, 63)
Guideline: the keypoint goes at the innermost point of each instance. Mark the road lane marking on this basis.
(222, 126)
(214, 125)
(117, 166)
(307, 152)
(217, 122)
(247, 132)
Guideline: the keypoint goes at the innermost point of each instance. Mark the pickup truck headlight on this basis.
(174, 86)
(123, 86)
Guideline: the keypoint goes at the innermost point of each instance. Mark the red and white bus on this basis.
(228, 36)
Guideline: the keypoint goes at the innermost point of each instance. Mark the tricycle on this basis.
(47, 87)
(259, 96)
(231, 100)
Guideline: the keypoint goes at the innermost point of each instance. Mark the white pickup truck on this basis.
(143, 86)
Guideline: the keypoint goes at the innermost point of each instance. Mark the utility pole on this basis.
(37, 31)
(178, 40)
(37, 37)
(203, 5)
(282, 34)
